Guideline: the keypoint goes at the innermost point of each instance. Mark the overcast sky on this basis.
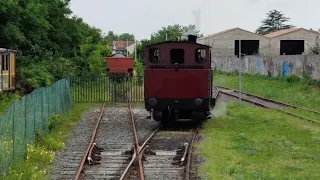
(142, 17)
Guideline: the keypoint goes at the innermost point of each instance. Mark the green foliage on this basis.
(140, 71)
(111, 36)
(54, 121)
(52, 44)
(293, 79)
(275, 21)
(6, 99)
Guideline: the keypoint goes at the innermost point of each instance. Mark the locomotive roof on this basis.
(182, 42)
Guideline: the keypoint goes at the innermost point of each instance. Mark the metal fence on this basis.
(18, 125)
(107, 89)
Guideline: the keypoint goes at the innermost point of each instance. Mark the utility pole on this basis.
(127, 48)
(166, 36)
(135, 50)
(240, 69)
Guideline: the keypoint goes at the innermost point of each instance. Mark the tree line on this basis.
(51, 42)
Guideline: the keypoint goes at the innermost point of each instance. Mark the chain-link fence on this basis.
(19, 123)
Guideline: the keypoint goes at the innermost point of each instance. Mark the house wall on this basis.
(223, 44)
(308, 37)
(271, 65)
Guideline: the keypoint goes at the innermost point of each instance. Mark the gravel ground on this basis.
(116, 138)
(144, 126)
(63, 166)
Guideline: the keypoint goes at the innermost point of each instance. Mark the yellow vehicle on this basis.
(7, 69)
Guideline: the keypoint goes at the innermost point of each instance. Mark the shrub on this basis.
(293, 79)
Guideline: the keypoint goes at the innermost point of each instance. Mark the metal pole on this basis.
(166, 36)
(127, 48)
(240, 71)
(135, 50)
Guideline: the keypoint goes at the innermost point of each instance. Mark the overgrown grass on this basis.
(41, 153)
(251, 143)
(290, 90)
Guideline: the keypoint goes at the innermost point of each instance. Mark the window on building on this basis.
(154, 55)
(248, 47)
(201, 55)
(177, 56)
(291, 47)
(5, 62)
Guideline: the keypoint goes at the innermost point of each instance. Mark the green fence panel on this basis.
(107, 89)
(28, 115)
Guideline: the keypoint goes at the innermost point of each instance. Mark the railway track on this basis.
(164, 153)
(267, 103)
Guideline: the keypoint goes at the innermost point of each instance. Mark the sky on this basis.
(143, 17)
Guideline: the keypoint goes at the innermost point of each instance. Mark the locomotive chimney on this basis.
(192, 38)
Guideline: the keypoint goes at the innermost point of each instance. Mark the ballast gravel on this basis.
(115, 128)
(75, 147)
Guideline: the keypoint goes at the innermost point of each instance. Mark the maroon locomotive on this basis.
(178, 80)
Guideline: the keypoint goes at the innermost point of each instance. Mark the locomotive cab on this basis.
(178, 80)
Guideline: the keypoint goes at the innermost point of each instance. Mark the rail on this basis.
(91, 145)
(271, 100)
(187, 175)
(266, 106)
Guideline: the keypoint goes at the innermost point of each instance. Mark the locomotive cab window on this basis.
(177, 56)
(154, 55)
(201, 55)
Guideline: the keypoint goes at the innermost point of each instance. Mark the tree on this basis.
(126, 37)
(111, 36)
(52, 44)
(275, 21)
(316, 48)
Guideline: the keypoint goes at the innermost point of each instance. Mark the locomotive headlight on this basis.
(198, 102)
(152, 102)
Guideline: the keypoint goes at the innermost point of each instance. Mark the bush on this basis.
(293, 79)
(139, 70)
(54, 122)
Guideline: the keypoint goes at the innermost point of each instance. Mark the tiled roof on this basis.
(228, 30)
(281, 32)
(122, 44)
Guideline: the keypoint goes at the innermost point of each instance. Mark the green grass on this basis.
(251, 143)
(297, 93)
(41, 153)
